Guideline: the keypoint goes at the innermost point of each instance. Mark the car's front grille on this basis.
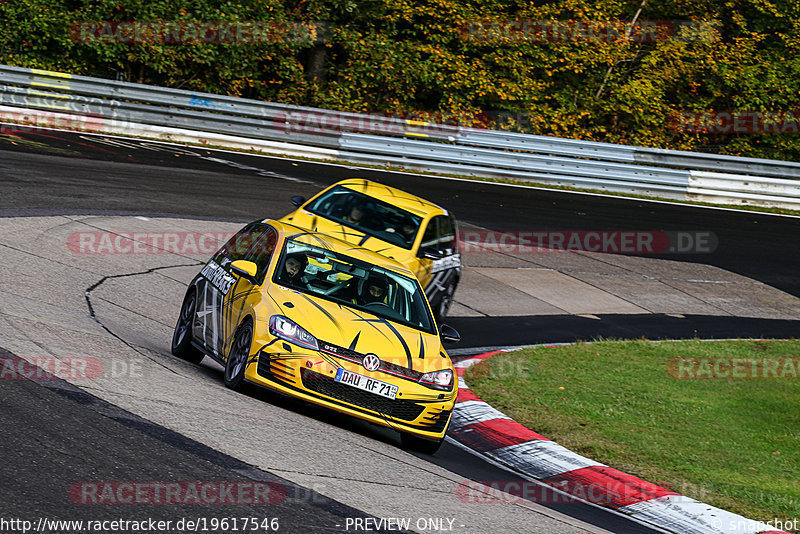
(325, 385)
(356, 357)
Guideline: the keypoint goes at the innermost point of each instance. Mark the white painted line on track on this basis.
(433, 176)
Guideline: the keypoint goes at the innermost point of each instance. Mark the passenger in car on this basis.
(408, 230)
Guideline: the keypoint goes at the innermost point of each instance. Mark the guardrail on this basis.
(29, 95)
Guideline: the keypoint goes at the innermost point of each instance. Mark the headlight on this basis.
(285, 328)
(438, 379)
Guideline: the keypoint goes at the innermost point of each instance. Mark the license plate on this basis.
(366, 383)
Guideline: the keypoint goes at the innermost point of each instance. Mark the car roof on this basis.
(318, 239)
(391, 195)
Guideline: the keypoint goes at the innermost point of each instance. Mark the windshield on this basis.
(355, 283)
(368, 215)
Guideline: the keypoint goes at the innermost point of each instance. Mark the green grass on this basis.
(731, 442)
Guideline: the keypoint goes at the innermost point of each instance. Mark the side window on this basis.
(255, 242)
(261, 251)
(440, 235)
(447, 234)
(431, 236)
(238, 245)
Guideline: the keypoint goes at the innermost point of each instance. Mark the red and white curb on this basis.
(490, 432)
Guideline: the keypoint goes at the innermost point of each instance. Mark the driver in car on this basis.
(356, 215)
(373, 290)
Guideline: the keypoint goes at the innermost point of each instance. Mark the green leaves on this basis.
(541, 67)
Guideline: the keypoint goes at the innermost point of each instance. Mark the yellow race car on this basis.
(319, 319)
(417, 233)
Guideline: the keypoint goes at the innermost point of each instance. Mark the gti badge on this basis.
(371, 362)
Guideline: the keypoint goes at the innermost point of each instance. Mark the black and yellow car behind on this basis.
(396, 224)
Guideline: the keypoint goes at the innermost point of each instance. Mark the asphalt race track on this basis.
(178, 182)
(70, 434)
(103, 431)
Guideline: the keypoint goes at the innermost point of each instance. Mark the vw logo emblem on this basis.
(371, 362)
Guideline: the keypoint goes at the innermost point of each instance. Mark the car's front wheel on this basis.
(444, 301)
(238, 356)
(182, 337)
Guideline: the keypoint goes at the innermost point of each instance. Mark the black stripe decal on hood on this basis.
(323, 310)
(421, 347)
(353, 343)
(394, 331)
(368, 321)
(403, 341)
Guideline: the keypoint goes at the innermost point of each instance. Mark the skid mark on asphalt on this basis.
(88, 293)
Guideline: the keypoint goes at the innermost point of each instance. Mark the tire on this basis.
(182, 337)
(417, 444)
(444, 302)
(236, 363)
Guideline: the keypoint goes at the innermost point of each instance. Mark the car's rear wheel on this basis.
(182, 337)
(237, 359)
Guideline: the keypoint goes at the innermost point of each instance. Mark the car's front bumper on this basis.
(309, 376)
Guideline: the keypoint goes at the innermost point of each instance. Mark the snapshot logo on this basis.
(581, 31)
(50, 368)
(733, 368)
(736, 122)
(177, 493)
(606, 241)
(179, 32)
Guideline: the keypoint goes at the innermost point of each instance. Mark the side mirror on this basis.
(432, 254)
(449, 334)
(245, 269)
(298, 201)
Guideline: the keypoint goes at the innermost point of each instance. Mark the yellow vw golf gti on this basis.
(322, 320)
(417, 233)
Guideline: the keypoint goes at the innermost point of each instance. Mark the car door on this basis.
(221, 295)
(243, 294)
(440, 261)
